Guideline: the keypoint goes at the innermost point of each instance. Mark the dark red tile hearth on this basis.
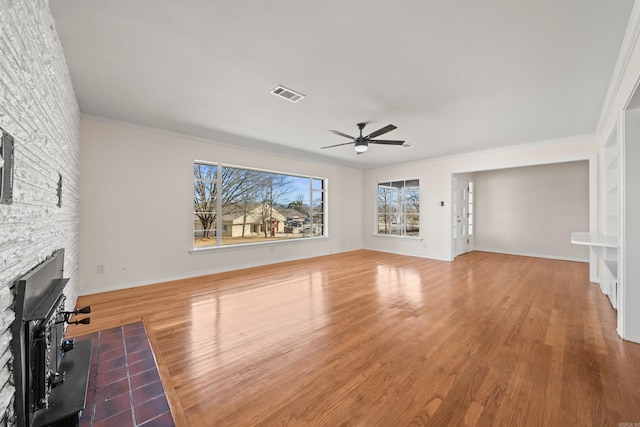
(112, 390)
(136, 346)
(112, 407)
(144, 378)
(148, 392)
(111, 376)
(118, 362)
(164, 420)
(124, 387)
(141, 366)
(123, 419)
(110, 354)
(150, 409)
(140, 355)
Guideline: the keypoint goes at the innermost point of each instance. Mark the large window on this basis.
(232, 205)
(399, 208)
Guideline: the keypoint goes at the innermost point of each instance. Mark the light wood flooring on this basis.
(374, 339)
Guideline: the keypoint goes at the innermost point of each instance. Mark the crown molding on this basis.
(628, 44)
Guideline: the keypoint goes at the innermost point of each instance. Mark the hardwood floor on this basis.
(375, 339)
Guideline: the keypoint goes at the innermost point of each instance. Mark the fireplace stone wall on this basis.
(39, 109)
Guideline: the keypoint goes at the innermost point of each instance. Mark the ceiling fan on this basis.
(361, 143)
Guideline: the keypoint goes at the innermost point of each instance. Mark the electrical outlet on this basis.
(100, 269)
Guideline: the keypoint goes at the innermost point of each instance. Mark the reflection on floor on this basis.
(124, 386)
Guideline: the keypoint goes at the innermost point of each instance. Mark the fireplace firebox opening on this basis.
(50, 373)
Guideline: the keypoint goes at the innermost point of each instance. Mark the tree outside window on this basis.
(399, 208)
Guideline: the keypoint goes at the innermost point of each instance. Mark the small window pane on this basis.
(204, 233)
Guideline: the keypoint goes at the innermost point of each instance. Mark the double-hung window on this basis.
(398, 210)
(234, 205)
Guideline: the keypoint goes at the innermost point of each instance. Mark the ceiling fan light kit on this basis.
(361, 146)
(361, 143)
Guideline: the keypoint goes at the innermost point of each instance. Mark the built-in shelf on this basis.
(612, 265)
(603, 245)
(594, 239)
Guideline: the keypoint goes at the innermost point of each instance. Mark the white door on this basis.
(462, 220)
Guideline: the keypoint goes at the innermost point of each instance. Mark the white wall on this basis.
(435, 186)
(136, 205)
(532, 210)
(38, 107)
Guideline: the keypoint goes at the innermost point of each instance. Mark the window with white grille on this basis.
(399, 208)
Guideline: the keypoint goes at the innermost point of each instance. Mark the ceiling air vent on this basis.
(287, 94)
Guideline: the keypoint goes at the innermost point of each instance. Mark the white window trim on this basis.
(375, 212)
(219, 246)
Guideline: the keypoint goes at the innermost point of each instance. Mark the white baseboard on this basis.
(534, 255)
(162, 279)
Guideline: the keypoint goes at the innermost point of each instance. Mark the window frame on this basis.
(401, 209)
(218, 225)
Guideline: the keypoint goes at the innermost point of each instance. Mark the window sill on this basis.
(240, 246)
(394, 236)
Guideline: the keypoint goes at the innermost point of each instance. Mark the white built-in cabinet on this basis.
(616, 244)
(605, 243)
(629, 267)
(610, 254)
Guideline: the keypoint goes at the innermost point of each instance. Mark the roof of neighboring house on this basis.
(235, 214)
(291, 213)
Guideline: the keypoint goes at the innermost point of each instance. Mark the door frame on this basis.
(453, 212)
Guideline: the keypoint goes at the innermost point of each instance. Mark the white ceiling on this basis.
(453, 75)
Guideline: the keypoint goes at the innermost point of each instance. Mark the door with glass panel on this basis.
(462, 219)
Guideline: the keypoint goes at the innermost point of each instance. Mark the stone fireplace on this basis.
(39, 110)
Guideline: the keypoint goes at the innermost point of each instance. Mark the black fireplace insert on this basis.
(50, 379)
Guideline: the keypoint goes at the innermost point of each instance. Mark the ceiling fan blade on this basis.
(385, 142)
(337, 145)
(342, 134)
(379, 132)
